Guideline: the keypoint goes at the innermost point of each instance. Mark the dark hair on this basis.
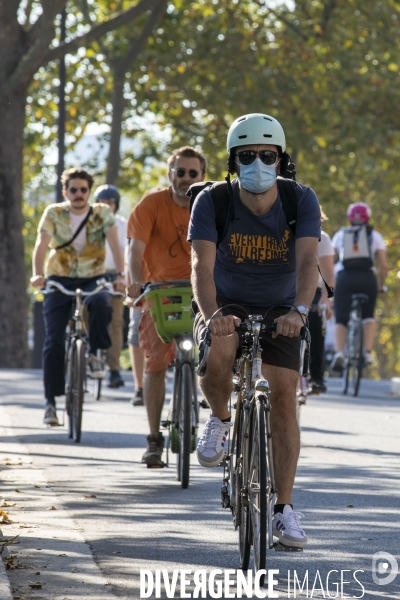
(75, 173)
(188, 152)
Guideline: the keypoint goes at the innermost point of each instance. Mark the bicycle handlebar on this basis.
(205, 345)
(103, 285)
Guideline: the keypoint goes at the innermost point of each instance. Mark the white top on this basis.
(122, 225)
(377, 243)
(80, 241)
(325, 248)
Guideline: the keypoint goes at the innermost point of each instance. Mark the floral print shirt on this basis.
(66, 262)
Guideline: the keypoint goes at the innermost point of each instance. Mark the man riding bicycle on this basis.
(259, 264)
(157, 229)
(76, 233)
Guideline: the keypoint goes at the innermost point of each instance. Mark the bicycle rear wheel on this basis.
(185, 424)
(357, 360)
(257, 483)
(241, 518)
(78, 372)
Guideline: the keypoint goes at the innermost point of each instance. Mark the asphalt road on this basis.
(89, 516)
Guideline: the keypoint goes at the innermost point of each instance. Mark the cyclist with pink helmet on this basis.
(357, 277)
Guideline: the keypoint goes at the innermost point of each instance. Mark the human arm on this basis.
(306, 284)
(326, 265)
(115, 247)
(39, 254)
(135, 267)
(382, 269)
(203, 262)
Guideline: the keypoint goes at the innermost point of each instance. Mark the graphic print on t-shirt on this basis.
(259, 249)
(182, 234)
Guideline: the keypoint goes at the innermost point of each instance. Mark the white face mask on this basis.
(257, 177)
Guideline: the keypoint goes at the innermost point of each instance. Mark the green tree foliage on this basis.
(328, 70)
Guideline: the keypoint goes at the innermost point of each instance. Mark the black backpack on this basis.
(221, 194)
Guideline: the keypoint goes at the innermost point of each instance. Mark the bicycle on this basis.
(248, 488)
(354, 352)
(170, 307)
(75, 353)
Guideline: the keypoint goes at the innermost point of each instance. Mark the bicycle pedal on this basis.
(165, 424)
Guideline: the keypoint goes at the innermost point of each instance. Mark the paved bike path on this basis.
(114, 517)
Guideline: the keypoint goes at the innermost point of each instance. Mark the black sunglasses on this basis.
(268, 157)
(73, 190)
(182, 172)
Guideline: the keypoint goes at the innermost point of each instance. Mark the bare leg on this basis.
(340, 337)
(285, 429)
(369, 334)
(137, 362)
(153, 395)
(216, 385)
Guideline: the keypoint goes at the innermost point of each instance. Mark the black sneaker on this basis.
(50, 415)
(116, 380)
(318, 387)
(137, 398)
(155, 447)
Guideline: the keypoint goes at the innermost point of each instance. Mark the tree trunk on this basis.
(13, 284)
(118, 101)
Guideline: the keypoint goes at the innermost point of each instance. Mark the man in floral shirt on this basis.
(75, 263)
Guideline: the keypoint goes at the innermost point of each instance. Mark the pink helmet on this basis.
(361, 210)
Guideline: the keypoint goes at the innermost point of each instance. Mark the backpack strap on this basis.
(288, 193)
(222, 207)
(77, 232)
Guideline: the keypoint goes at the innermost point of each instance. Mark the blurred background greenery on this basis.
(183, 70)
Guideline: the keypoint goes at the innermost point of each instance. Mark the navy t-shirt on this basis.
(255, 263)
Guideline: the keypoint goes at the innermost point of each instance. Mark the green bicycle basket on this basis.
(171, 311)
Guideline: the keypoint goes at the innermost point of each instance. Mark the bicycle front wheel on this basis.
(78, 372)
(185, 423)
(241, 517)
(257, 484)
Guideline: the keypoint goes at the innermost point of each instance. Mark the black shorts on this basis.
(354, 282)
(281, 351)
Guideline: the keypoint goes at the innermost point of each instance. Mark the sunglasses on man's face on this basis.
(268, 157)
(182, 172)
(74, 190)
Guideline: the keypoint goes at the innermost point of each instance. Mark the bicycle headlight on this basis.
(186, 345)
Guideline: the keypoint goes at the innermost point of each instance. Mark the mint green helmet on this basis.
(255, 128)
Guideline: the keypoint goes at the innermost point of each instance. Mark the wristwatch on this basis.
(301, 308)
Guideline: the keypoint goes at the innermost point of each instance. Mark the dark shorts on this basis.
(354, 282)
(281, 351)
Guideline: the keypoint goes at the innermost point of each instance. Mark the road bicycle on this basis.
(354, 351)
(76, 349)
(170, 307)
(248, 488)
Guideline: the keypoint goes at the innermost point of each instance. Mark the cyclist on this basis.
(351, 281)
(317, 359)
(109, 194)
(76, 233)
(157, 229)
(258, 264)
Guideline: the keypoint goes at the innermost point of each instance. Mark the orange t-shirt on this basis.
(162, 225)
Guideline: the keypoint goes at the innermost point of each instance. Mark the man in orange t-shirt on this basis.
(157, 229)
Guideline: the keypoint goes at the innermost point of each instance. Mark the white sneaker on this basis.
(96, 367)
(210, 448)
(337, 363)
(287, 528)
